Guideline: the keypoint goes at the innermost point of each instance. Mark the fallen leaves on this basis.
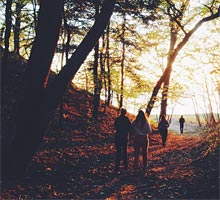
(77, 162)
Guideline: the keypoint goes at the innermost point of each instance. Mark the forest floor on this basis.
(77, 162)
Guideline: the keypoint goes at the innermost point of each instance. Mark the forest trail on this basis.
(72, 165)
(189, 128)
(77, 162)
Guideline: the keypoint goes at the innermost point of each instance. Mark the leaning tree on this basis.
(177, 42)
(40, 99)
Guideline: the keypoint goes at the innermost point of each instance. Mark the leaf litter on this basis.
(77, 162)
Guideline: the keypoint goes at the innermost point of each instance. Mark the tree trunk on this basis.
(103, 74)
(212, 120)
(66, 47)
(67, 73)
(196, 111)
(96, 79)
(61, 110)
(34, 111)
(172, 56)
(32, 120)
(6, 43)
(108, 67)
(68, 31)
(17, 27)
(96, 76)
(122, 62)
(34, 3)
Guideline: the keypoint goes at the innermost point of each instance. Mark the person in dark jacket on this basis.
(181, 121)
(162, 128)
(122, 126)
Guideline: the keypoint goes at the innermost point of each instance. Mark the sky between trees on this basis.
(146, 52)
(192, 70)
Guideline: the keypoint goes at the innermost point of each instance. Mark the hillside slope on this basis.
(77, 161)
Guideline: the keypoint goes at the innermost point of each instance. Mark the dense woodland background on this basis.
(116, 52)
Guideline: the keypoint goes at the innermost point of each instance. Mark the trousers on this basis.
(121, 152)
(141, 144)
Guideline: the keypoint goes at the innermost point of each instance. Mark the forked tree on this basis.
(40, 99)
(175, 16)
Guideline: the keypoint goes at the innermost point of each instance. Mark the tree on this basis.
(122, 61)
(40, 99)
(6, 41)
(176, 17)
(96, 77)
(17, 26)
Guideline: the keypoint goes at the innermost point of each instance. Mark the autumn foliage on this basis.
(77, 161)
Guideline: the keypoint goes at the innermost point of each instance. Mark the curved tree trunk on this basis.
(172, 56)
(39, 100)
(31, 119)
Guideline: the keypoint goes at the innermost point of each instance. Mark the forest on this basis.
(67, 69)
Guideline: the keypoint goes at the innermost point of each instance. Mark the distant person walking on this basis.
(141, 130)
(122, 126)
(181, 121)
(162, 128)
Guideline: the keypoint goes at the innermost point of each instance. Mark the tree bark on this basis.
(6, 43)
(67, 73)
(39, 99)
(96, 76)
(97, 84)
(108, 68)
(122, 62)
(17, 27)
(31, 119)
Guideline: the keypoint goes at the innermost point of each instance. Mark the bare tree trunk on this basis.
(108, 67)
(17, 27)
(68, 31)
(6, 43)
(34, 3)
(96, 76)
(66, 47)
(32, 121)
(61, 109)
(69, 70)
(172, 56)
(103, 74)
(41, 100)
(122, 62)
(96, 79)
(196, 112)
(211, 115)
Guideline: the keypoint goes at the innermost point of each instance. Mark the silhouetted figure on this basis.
(141, 130)
(162, 128)
(122, 125)
(181, 121)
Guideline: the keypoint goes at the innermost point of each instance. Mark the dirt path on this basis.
(189, 128)
(82, 168)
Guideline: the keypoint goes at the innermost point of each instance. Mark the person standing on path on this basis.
(162, 128)
(122, 126)
(141, 129)
(181, 121)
